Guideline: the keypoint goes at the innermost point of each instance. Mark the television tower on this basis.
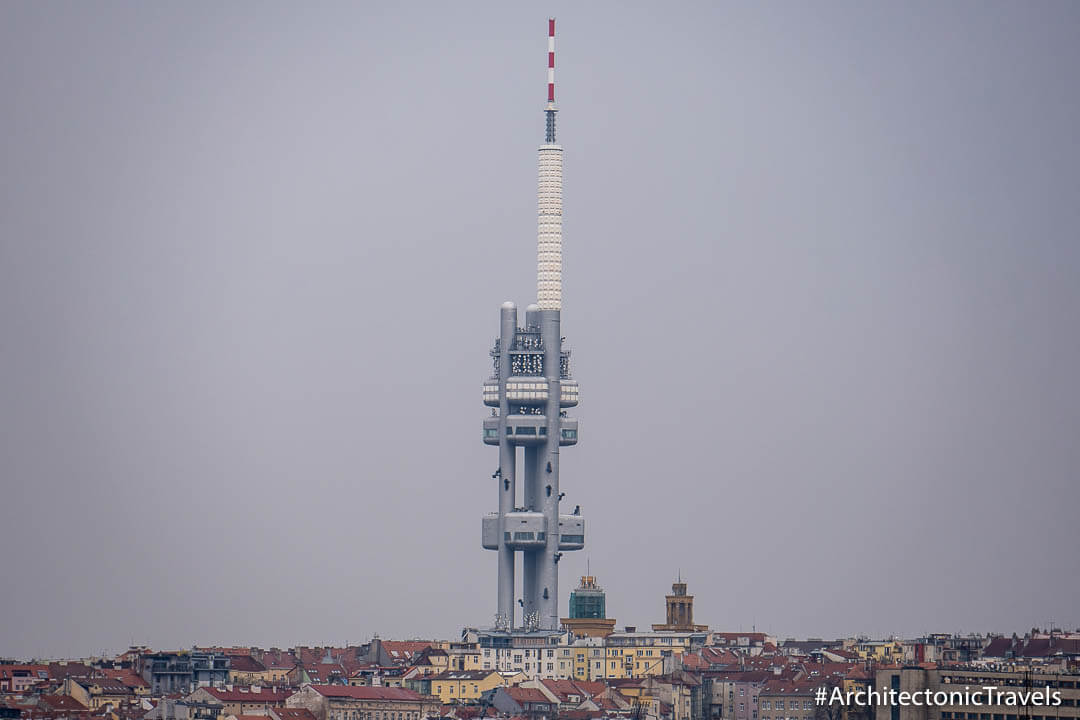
(529, 387)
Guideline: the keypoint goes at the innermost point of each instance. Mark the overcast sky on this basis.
(822, 288)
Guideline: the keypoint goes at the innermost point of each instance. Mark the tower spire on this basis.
(549, 202)
(550, 110)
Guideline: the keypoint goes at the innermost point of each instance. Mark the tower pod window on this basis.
(521, 536)
(572, 538)
(569, 434)
(525, 430)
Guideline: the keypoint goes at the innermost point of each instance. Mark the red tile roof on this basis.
(59, 671)
(404, 650)
(359, 692)
(741, 676)
(563, 689)
(109, 686)
(789, 687)
(128, 677)
(62, 702)
(245, 663)
(294, 714)
(22, 670)
(527, 695)
(322, 672)
(605, 703)
(592, 687)
(693, 661)
(264, 696)
(278, 660)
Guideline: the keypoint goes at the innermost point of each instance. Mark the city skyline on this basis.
(821, 285)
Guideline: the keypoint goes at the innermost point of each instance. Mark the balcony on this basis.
(530, 390)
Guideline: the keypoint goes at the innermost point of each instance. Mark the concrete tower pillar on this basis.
(547, 564)
(507, 475)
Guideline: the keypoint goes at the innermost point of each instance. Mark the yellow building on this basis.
(96, 693)
(465, 656)
(857, 680)
(246, 670)
(582, 660)
(466, 686)
(432, 661)
(883, 651)
(640, 654)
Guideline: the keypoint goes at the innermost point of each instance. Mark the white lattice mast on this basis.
(549, 201)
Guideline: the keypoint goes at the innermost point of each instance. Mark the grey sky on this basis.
(821, 288)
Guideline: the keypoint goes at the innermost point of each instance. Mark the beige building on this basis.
(780, 699)
(634, 654)
(466, 686)
(959, 685)
(464, 656)
(351, 702)
(254, 701)
(246, 670)
(96, 693)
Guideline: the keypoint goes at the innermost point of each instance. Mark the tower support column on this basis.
(507, 474)
(547, 566)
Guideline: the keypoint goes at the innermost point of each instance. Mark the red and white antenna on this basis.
(549, 137)
(551, 61)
